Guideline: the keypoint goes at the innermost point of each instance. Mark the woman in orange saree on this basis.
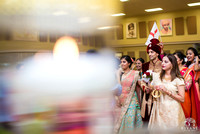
(191, 104)
(188, 105)
(192, 63)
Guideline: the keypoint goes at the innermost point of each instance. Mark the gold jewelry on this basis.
(156, 93)
(155, 62)
(127, 72)
(167, 78)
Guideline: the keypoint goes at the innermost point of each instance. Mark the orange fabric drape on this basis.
(186, 105)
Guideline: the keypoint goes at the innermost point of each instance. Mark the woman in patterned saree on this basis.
(167, 112)
(129, 118)
(188, 105)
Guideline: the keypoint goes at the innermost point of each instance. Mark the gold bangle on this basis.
(156, 93)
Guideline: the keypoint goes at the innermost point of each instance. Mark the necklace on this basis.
(127, 72)
(167, 78)
(155, 62)
(154, 67)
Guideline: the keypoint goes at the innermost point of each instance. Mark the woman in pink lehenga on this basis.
(130, 117)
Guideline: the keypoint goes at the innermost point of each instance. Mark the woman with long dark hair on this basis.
(188, 77)
(193, 64)
(192, 56)
(189, 105)
(129, 118)
(139, 63)
(139, 90)
(167, 112)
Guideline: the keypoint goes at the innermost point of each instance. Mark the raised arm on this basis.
(196, 64)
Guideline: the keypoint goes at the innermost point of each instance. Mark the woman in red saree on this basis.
(190, 105)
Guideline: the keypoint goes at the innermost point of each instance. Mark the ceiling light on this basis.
(194, 4)
(103, 28)
(123, 0)
(118, 14)
(153, 9)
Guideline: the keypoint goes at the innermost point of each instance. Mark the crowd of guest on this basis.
(168, 100)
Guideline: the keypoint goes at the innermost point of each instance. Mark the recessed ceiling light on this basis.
(103, 28)
(153, 9)
(123, 0)
(194, 4)
(118, 14)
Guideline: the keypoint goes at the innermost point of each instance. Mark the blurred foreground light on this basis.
(66, 49)
(52, 82)
(66, 93)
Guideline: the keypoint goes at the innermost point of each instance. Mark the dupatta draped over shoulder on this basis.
(129, 117)
(195, 95)
(188, 107)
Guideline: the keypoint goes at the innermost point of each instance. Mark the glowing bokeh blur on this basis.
(66, 49)
(64, 90)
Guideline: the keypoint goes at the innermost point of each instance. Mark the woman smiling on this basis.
(130, 117)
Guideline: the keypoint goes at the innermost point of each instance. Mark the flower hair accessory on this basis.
(132, 59)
